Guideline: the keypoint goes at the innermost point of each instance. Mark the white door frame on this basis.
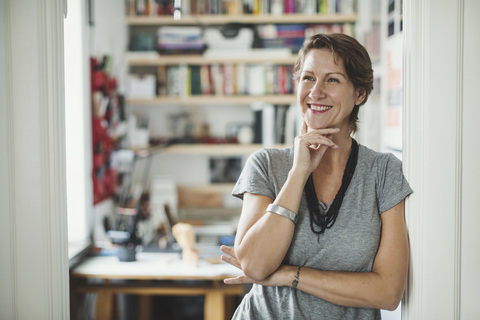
(33, 252)
(441, 50)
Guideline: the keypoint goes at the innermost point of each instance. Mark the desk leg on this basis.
(145, 307)
(229, 306)
(214, 305)
(103, 305)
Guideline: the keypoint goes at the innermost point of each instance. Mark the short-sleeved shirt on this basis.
(377, 185)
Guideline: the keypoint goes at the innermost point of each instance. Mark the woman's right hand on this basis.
(310, 146)
(277, 279)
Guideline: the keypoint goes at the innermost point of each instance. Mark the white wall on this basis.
(108, 36)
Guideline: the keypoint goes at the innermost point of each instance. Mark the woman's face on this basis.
(325, 94)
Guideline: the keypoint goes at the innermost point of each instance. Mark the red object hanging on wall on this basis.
(105, 111)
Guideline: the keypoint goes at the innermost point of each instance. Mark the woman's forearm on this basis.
(262, 248)
(351, 289)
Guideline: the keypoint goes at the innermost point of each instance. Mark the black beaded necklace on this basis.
(319, 218)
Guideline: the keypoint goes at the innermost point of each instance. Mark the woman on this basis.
(333, 244)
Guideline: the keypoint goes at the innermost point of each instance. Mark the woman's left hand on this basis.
(276, 279)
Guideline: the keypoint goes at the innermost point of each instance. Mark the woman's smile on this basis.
(319, 107)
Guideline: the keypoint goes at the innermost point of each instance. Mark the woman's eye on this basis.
(307, 78)
(332, 80)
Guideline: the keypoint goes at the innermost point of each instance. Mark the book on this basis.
(173, 81)
(241, 79)
(291, 124)
(229, 79)
(268, 125)
(206, 79)
(280, 123)
(217, 79)
(162, 81)
(257, 122)
(196, 82)
(270, 79)
(256, 80)
(323, 6)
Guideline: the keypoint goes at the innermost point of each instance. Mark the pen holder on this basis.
(127, 253)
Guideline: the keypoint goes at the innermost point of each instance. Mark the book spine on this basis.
(257, 123)
(268, 125)
(196, 83)
(229, 82)
(162, 81)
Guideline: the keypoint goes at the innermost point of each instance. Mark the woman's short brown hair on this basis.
(356, 60)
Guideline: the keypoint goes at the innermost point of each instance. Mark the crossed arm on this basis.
(382, 288)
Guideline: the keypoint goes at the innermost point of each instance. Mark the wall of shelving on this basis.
(217, 115)
(220, 111)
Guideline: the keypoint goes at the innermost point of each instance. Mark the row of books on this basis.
(292, 35)
(225, 79)
(180, 40)
(260, 7)
(195, 40)
(231, 7)
(275, 124)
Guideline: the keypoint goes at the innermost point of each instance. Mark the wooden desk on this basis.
(157, 274)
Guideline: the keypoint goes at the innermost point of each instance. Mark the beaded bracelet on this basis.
(283, 212)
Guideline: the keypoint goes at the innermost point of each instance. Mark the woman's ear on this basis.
(361, 94)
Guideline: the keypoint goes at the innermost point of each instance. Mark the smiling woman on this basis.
(344, 255)
(34, 275)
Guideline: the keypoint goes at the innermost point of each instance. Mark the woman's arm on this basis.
(263, 238)
(382, 288)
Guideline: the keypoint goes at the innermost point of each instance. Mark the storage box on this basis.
(240, 39)
(141, 86)
(180, 40)
(282, 36)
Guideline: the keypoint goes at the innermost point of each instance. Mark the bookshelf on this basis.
(216, 149)
(205, 60)
(223, 149)
(214, 100)
(242, 18)
(195, 192)
(320, 16)
(331, 15)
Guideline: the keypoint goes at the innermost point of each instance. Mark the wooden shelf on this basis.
(244, 18)
(221, 149)
(204, 60)
(216, 149)
(202, 196)
(211, 99)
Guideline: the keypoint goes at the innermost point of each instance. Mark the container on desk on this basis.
(127, 253)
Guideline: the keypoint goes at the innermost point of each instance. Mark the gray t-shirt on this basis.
(377, 185)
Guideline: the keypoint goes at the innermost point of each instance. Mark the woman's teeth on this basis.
(320, 108)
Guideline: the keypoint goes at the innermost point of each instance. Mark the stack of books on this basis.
(180, 40)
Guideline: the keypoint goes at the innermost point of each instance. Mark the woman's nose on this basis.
(317, 91)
